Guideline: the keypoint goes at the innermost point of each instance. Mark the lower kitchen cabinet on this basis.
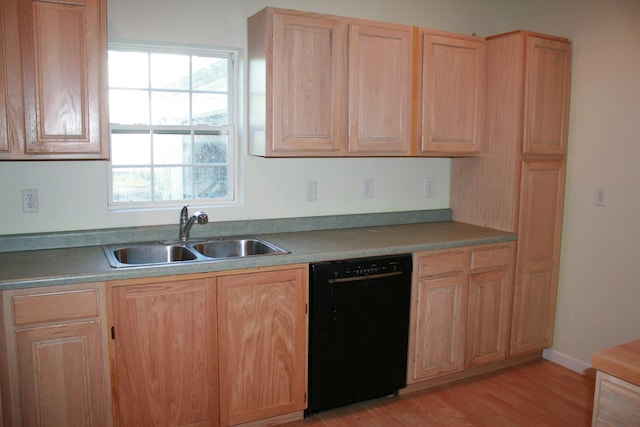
(165, 353)
(461, 307)
(262, 347)
(54, 371)
(210, 349)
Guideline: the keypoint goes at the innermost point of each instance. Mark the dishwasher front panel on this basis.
(358, 330)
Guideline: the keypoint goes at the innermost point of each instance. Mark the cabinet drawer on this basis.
(441, 263)
(50, 307)
(491, 257)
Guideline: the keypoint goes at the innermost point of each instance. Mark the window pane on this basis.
(128, 69)
(131, 185)
(170, 108)
(171, 148)
(130, 149)
(211, 148)
(169, 71)
(128, 107)
(210, 73)
(211, 182)
(210, 109)
(172, 183)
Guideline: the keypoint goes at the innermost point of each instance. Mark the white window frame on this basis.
(233, 177)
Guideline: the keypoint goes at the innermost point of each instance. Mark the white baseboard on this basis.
(569, 362)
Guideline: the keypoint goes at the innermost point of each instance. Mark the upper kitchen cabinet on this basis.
(322, 86)
(297, 82)
(4, 135)
(452, 104)
(11, 110)
(61, 67)
(379, 89)
(546, 98)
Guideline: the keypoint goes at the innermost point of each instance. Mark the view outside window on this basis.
(171, 127)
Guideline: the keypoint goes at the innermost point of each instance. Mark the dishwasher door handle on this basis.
(360, 278)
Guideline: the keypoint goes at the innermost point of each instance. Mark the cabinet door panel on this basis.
(308, 78)
(263, 345)
(453, 81)
(64, 54)
(533, 311)
(440, 322)
(542, 199)
(489, 316)
(165, 341)
(61, 375)
(379, 90)
(539, 235)
(4, 132)
(547, 96)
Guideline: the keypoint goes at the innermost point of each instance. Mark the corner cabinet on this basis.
(323, 85)
(54, 367)
(453, 80)
(518, 183)
(461, 309)
(61, 69)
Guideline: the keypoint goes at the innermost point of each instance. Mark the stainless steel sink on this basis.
(237, 248)
(152, 253)
(163, 253)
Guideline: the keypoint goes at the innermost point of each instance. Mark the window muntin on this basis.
(172, 127)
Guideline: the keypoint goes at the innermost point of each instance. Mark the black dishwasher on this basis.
(358, 329)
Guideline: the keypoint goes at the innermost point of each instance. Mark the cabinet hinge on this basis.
(306, 308)
(113, 333)
(305, 397)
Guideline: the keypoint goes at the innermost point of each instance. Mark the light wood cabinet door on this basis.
(490, 301)
(4, 133)
(438, 313)
(453, 95)
(63, 48)
(61, 375)
(262, 326)
(54, 369)
(540, 232)
(489, 327)
(546, 103)
(297, 101)
(379, 89)
(438, 345)
(165, 353)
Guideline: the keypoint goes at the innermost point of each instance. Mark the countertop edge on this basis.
(92, 265)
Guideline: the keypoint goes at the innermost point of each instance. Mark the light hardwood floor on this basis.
(537, 393)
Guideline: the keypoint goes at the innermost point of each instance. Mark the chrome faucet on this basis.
(187, 222)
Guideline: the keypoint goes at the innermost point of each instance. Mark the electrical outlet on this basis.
(430, 186)
(30, 201)
(312, 191)
(367, 188)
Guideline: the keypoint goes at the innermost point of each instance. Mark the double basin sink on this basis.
(162, 253)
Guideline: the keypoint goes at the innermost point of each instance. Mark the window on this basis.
(173, 126)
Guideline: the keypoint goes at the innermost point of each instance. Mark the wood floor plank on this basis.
(537, 393)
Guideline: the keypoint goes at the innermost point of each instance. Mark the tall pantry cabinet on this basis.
(517, 184)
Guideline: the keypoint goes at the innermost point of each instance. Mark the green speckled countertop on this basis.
(82, 264)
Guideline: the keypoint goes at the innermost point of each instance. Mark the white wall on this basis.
(599, 290)
(73, 195)
(599, 287)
